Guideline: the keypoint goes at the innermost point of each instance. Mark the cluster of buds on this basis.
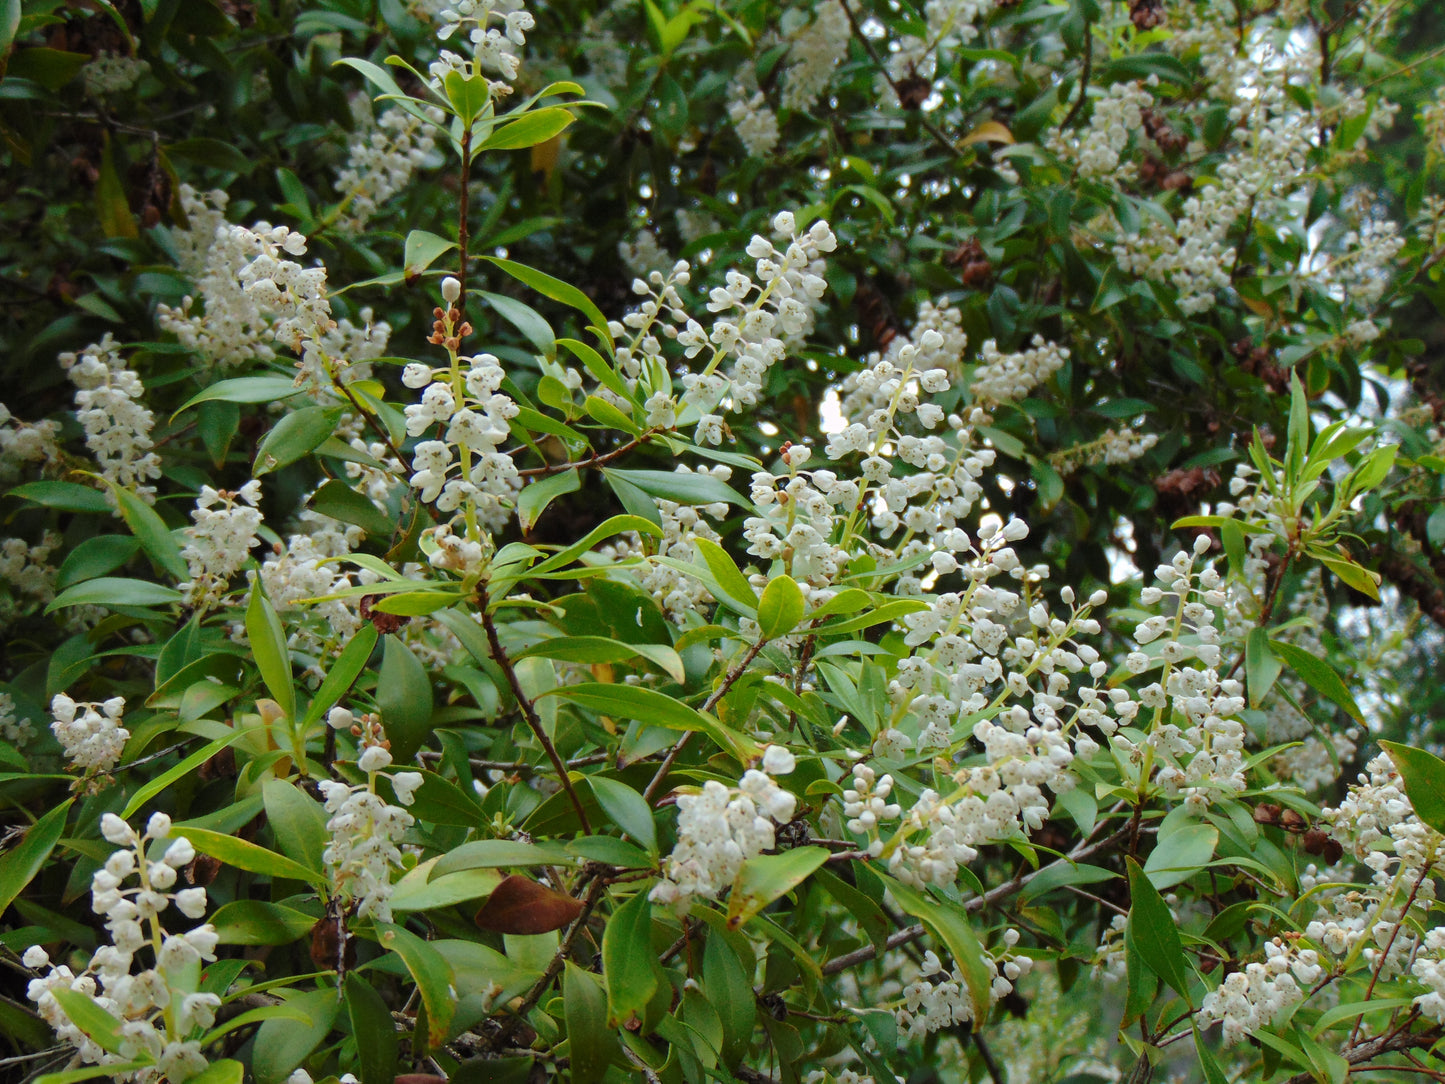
(448, 327)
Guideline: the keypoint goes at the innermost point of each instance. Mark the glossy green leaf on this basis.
(656, 709)
(423, 249)
(501, 854)
(256, 922)
(404, 696)
(626, 809)
(283, 1043)
(781, 607)
(20, 864)
(1318, 675)
(340, 501)
(601, 649)
(629, 963)
(557, 290)
(949, 924)
(374, 1031)
(590, 1041)
(1154, 932)
(297, 821)
(680, 487)
(155, 537)
(170, 776)
(114, 591)
(342, 675)
(252, 857)
(534, 499)
(90, 1017)
(62, 496)
(95, 557)
(434, 978)
(245, 389)
(267, 638)
(295, 435)
(769, 877)
(535, 127)
(1181, 854)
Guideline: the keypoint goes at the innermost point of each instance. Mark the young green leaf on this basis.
(20, 864)
(1424, 776)
(1154, 932)
(768, 877)
(268, 647)
(780, 608)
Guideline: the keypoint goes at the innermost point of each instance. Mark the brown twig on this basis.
(528, 711)
(1380, 960)
(594, 461)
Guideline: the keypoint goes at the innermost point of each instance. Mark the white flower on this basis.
(778, 761)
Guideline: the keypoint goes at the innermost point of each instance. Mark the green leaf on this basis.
(680, 487)
(297, 822)
(256, 922)
(20, 864)
(534, 499)
(1424, 776)
(590, 1042)
(470, 95)
(251, 857)
(414, 892)
(294, 436)
(656, 709)
(404, 697)
(215, 153)
(268, 647)
(1362, 579)
(90, 1072)
(114, 591)
(1261, 666)
(245, 389)
(781, 607)
(536, 127)
(433, 975)
(417, 603)
(1318, 675)
(1213, 1074)
(629, 964)
(1154, 932)
(373, 1029)
(422, 250)
(768, 877)
(62, 496)
(1181, 854)
(727, 573)
(729, 989)
(95, 557)
(112, 209)
(227, 1070)
(178, 772)
(342, 675)
(88, 1015)
(601, 649)
(625, 808)
(949, 924)
(606, 529)
(339, 501)
(501, 854)
(9, 23)
(557, 290)
(155, 537)
(283, 1043)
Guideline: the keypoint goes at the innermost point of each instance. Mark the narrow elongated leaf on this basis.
(404, 695)
(373, 1029)
(656, 709)
(557, 290)
(339, 501)
(536, 127)
(295, 435)
(249, 856)
(342, 675)
(629, 964)
(1181, 854)
(62, 496)
(283, 1043)
(244, 389)
(155, 537)
(590, 1041)
(626, 808)
(1154, 932)
(179, 771)
(534, 499)
(90, 1017)
(114, 591)
(680, 487)
(606, 529)
(433, 975)
(20, 864)
(601, 649)
(500, 854)
(268, 648)
(256, 922)
(1318, 675)
(297, 820)
(1261, 665)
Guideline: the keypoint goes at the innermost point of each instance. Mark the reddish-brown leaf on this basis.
(521, 905)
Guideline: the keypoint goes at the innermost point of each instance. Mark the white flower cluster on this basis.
(815, 51)
(13, 729)
(304, 570)
(93, 739)
(110, 406)
(380, 162)
(720, 828)
(112, 73)
(936, 341)
(1361, 270)
(643, 255)
(1117, 115)
(23, 444)
(1005, 378)
(1251, 999)
(678, 594)
(1432, 123)
(493, 47)
(938, 998)
(219, 541)
(162, 1012)
(366, 829)
(27, 569)
(1114, 448)
(205, 212)
(1430, 970)
(753, 119)
(465, 466)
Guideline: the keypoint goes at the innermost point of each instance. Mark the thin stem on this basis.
(463, 219)
(1380, 960)
(708, 705)
(1084, 75)
(594, 461)
(528, 711)
(554, 966)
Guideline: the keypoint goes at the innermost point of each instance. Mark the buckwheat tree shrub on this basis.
(690, 543)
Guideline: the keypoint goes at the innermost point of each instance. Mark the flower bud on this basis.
(451, 290)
